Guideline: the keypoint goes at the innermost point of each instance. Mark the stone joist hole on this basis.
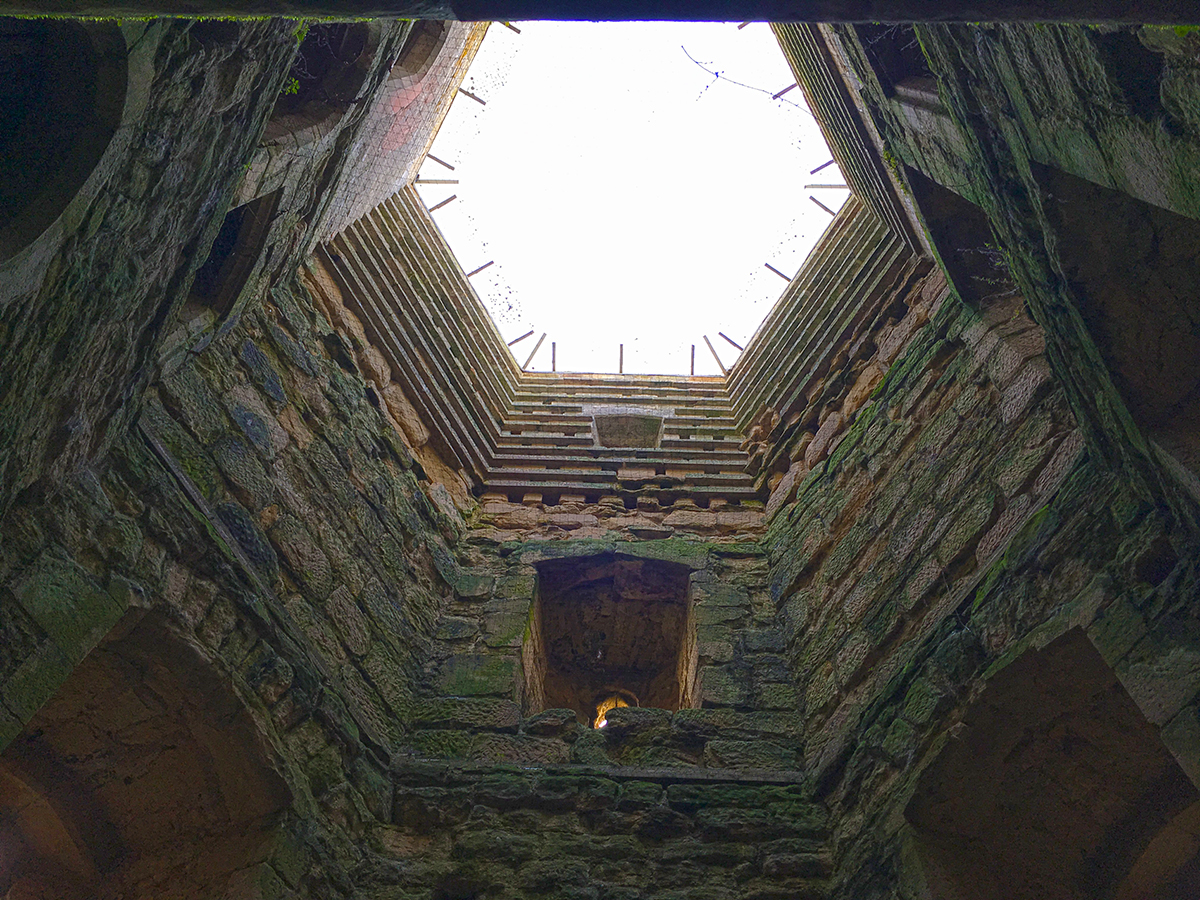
(607, 632)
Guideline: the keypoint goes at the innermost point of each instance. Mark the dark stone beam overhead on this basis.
(1141, 11)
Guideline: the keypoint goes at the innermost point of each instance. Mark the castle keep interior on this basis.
(307, 590)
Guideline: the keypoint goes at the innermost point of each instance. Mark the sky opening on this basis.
(629, 184)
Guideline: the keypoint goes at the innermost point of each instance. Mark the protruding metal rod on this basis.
(740, 27)
(478, 100)
(553, 350)
(511, 27)
(437, 181)
(786, 278)
(822, 205)
(536, 347)
(713, 351)
(730, 340)
(481, 268)
(693, 359)
(440, 162)
(521, 338)
(621, 359)
(784, 91)
(823, 165)
(840, 187)
(438, 206)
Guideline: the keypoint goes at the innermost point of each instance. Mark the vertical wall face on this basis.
(80, 327)
(64, 86)
(955, 524)
(1135, 271)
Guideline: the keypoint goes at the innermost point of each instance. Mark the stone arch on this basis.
(57, 117)
(420, 49)
(1055, 786)
(326, 76)
(144, 776)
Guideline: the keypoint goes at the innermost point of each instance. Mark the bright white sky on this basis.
(627, 195)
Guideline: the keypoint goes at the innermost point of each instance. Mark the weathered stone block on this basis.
(476, 674)
(701, 521)
(504, 622)
(764, 640)
(519, 748)
(718, 593)
(582, 792)
(720, 686)
(571, 521)
(627, 721)
(804, 865)
(1116, 630)
(637, 795)
(552, 723)
(514, 587)
(473, 585)
(1182, 737)
(187, 394)
(305, 560)
(425, 809)
(349, 620)
(442, 743)
(456, 628)
(718, 615)
(775, 695)
(257, 422)
(921, 702)
(748, 755)
(715, 651)
(467, 714)
(36, 680)
(1162, 671)
(69, 607)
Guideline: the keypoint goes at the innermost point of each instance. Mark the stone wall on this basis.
(1022, 529)
(478, 703)
(271, 520)
(605, 833)
(78, 326)
(252, 617)
(1026, 124)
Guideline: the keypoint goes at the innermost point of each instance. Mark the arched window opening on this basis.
(962, 234)
(326, 75)
(235, 252)
(610, 701)
(606, 633)
(1056, 787)
(144, 776)
(62, 91)
(896, 57)
(419, 51)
